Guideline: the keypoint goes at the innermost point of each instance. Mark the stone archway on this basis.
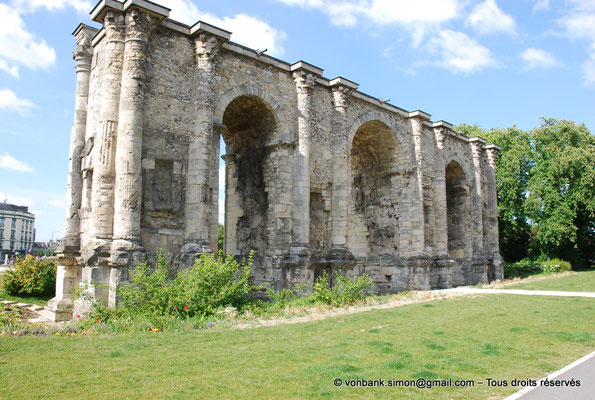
(249, 125)
(458, 211)
(375, 156)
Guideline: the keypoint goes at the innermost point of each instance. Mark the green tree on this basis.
(220, 236)
(561, 197)
(546, 186)
(513, 170)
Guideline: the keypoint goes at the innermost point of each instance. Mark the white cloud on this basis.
(538, 59)
(579, 23)
(412, 11)
(23, 6)
(589, 68)
(58, 203)
(541, 5)
(10, 102)
(460, 53)
(18, 46)
(249, 31)
(9, 162)
(16, 200)
(487, 18)
(349, 12)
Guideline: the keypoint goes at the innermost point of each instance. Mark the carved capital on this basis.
(440, 135)
(114, 25)
(476, 148)
(138, 25)
(304, 81)
(229, 158)
(340, 97)
(492, 153)
(206, 47)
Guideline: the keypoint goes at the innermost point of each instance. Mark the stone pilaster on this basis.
(128, 182)
(304, 77)
(128, 160)
(198, 190)
(341, 90)
(440, 134)
(104, 148)
(417, 119)
(68, 274)
(233, 210)
(477, 150)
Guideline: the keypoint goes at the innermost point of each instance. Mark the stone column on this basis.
(341, 168)
(82, 55)
(128, 160)
(304, 83)
(105, 145)
(68, 274)
(441, 243)
(492, 235)
(233, 211)
(215, 190)
(418, 224)
(477, 146)
(198, 190)
(128, 183)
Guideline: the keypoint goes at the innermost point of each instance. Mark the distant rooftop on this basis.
(11, 207)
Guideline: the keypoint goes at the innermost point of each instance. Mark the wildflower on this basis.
(78, 316)
(97, 319)
(185, 307)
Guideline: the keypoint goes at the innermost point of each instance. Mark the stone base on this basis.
(58, 309)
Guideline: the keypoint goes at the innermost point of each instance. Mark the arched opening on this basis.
(457, 210)
(374, 220)
(248, 126)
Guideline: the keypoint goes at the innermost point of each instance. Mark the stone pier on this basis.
(320, 177)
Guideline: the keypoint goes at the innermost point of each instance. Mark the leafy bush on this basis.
(213, 282)
(30, 277)
(526, 268)
(150, 292)
(556, 265)
(345, 291)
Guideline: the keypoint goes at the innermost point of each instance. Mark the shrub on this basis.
(526, 268)
(345, 291)
(213, 282)
(30, 277)
(149, 292)
(556, 265)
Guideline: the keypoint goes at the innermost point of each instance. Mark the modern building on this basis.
(17, 229)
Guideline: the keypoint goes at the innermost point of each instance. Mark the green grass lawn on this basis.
(37, 300)
(582, 281)
(495, 336)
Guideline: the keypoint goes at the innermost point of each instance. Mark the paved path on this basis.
(582, 370)
(518, 291)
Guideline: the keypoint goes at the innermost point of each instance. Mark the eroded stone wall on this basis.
(319, 176)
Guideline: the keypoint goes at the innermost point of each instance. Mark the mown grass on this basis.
(581, 281)
(37, 300)
(495, 336)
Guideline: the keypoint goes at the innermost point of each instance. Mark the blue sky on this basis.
(495, 63)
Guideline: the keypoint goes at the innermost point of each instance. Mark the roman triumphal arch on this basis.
(319, 176)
